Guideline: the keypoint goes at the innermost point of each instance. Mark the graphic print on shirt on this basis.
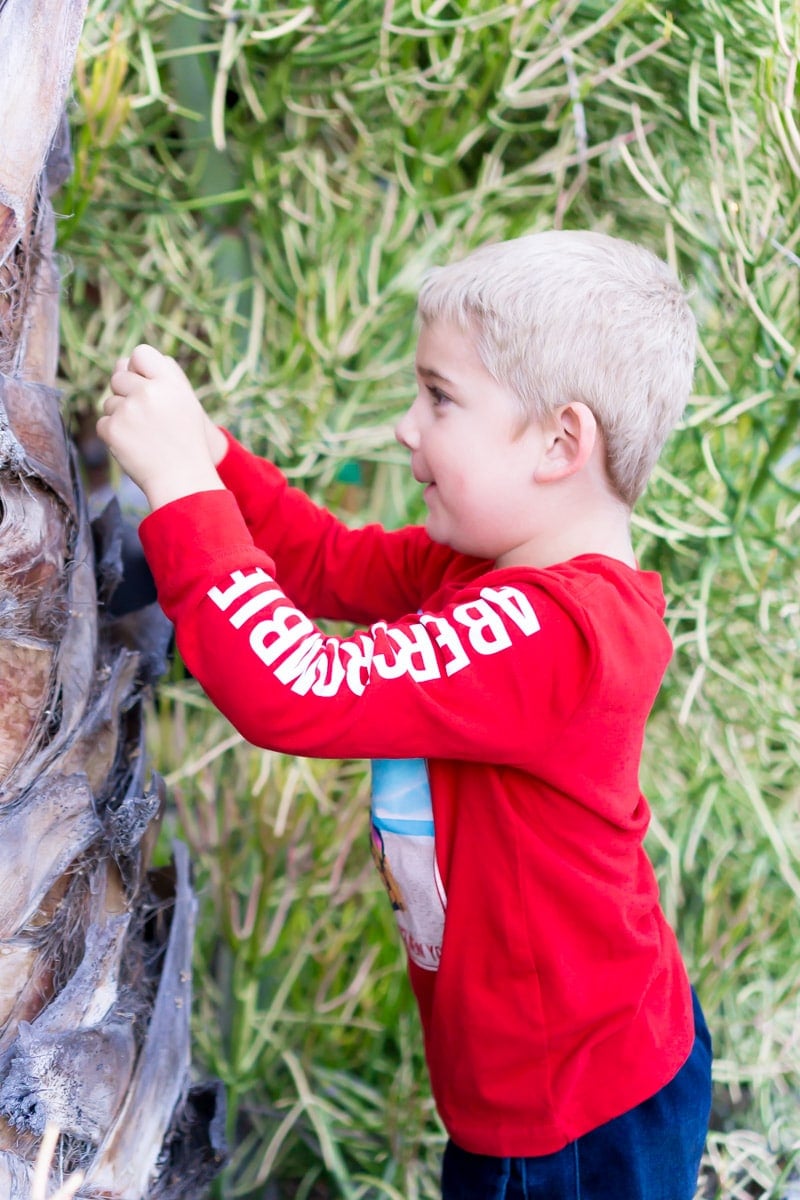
(404, 850)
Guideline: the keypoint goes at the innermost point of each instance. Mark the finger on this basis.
(147, 361)
(122, 364)
(123, 382)
(112, 403)
(102, 429)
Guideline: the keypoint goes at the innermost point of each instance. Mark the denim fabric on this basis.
(650, 1153)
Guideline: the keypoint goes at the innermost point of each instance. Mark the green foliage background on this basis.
(257, 190)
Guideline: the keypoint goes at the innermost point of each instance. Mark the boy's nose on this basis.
(406, 431)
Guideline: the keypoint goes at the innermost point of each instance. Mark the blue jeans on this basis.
(650, 1153)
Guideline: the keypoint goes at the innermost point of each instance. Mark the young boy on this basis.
(509, 658)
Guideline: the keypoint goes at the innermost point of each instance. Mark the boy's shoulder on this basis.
(616, 608)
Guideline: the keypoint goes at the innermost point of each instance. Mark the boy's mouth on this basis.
(425, 483)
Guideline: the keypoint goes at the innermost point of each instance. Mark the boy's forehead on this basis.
(432, 362)
(449, 355)
(441, 342)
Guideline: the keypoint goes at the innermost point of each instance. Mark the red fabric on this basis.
(560, 998)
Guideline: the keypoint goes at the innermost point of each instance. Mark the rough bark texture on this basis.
(95, 946)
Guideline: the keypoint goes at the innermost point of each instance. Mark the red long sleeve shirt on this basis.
(550, 987)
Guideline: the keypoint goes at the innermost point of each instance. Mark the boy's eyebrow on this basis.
(430, 373)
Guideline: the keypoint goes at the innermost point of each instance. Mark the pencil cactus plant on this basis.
(257, 189)
(95, 943)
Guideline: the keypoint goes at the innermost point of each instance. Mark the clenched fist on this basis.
(156, 429)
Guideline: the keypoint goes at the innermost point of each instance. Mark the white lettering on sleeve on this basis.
(485, 629)
(254, 605)
(324, 674)
(414, 654)
(389, 666)
(358, 651)
(241, 584)
(448, 640)
(297, 665)
(420, 656)
(423, 650)
(516, 605)
(271, 638)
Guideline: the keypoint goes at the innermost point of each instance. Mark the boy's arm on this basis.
(157, 430)
(470, 681)
(329, 569)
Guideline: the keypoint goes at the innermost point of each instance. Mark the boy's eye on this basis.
(438, 396)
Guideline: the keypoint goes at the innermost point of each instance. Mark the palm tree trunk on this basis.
(95, 946)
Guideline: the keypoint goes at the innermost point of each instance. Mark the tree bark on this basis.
(95, 945)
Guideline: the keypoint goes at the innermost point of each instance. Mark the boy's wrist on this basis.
(217, 442)
(178, 484)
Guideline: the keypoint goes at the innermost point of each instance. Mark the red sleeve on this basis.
(330, 570)
(478, 680)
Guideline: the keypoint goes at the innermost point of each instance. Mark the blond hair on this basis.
(567, 315)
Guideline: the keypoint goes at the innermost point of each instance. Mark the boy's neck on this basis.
(576, 529)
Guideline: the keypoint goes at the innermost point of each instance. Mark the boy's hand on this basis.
(156, 429)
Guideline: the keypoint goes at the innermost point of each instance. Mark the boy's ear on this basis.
(571, 434)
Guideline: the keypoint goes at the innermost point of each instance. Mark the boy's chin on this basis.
(436, 533)
(452, 541)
